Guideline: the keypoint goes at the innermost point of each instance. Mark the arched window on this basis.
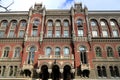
(99, 71)
(31, 55)
(36, 22)
(119, 51)
(109, 52)
(48, 51)
(2, 32)
(112, 71)
(79, 23)
(17, 52)
(112, 23)
(83, 55)
(104, 71)
(103, 23)
(4, 23)
(66, 23)
(57, 52)
(6, 52)
(11, 71)
(13, 23)
(23, 23)
(93, 23)
(50, 23)
(66, 51)
(116, 70)
(98, 52)
(57, 23)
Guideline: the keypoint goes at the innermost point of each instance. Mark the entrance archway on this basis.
(67, 73)
(44, 72)
(55, 72)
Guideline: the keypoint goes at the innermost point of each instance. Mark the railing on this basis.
(56, 57)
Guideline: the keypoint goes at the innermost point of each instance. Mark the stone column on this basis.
(61, 71)
(50, 71)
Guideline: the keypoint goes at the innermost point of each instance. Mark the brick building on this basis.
(59, 44)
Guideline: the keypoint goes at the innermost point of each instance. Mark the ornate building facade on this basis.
(59, 44)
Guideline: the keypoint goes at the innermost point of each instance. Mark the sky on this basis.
(24, 5)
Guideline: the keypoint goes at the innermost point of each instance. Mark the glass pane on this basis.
(23, 24)
(21, 33)
(49, 33)
(94, 33)
(105, 34)
(57, 33)
(102, 23)
(66, 34)
(112, 23)
(36, 22)
(34, 32)
(66, 51)
(93, 23)
(50, 23)
(66, 23)
(11, 34)
(2, 34)
(115, 33)
(4, 23)
(57, 23)
(80, 32)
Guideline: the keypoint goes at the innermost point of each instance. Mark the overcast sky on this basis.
(24, 5)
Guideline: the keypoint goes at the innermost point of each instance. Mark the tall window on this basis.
(17, 52)
(2, 33)
(11, 71)
(34, 32)
(98, 52)
(4, 23)
(57, 34)
(83, 55)
(15, 70)
(109, 52)
(66, 23)
(48, 51)
(49, 33)
(31, 55)
(57, 52)
(112, 71)
(6, 51)
(104, 71)
(50, 23)
(115, 33)
(3, 71)
(21, 33)
(36, 22)
(66, 51)
(66, 34)
(105, 33)
(119, 51)
(23, 24)
(116, 70)
(94, 34)
(99, 71)
(11, 34)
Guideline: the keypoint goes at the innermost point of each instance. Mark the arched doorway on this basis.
(55, 72)
(44, 73)
(67, 73)
(27, 73)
